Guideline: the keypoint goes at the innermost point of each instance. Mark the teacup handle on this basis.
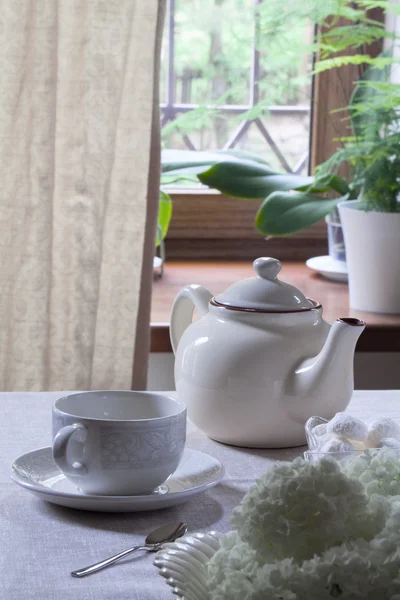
(60, 445)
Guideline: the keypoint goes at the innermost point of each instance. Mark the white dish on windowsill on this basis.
(328, 267)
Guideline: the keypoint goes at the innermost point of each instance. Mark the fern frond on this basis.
(351, 37)
(355, 59)
(386, 5)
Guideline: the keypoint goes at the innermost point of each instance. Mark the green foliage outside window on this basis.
(213, 59)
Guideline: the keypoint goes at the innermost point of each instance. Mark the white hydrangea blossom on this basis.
(378, 471)
(351, 571)
(302, 508)
(312, 531)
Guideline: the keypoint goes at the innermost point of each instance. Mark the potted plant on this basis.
(372, 240)
(370, 216)
(371, 224)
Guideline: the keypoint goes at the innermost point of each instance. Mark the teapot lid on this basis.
(265, 292)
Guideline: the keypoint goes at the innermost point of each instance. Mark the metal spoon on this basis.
(153, 542)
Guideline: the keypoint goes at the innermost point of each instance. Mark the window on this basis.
(225, 85)
(230, 80)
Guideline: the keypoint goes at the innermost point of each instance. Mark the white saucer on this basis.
(37, 472)
(330, 268)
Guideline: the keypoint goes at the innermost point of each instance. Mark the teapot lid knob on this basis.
(267, 268)
(265, 292)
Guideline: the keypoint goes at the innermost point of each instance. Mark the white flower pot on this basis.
(372, 242)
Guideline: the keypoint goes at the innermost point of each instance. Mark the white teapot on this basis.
(260, 360)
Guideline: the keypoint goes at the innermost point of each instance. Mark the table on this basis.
(41, 543)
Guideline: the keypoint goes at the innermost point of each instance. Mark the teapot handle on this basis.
(190, 297)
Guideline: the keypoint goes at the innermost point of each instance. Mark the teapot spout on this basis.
(325, 382)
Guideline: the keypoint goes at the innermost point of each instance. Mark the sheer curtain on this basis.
(79, 176)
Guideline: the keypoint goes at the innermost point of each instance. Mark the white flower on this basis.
(357, 570)
(309, 531)
(302, 508)
(378, 471)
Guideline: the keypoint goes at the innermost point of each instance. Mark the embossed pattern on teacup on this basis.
(58, 422)
(121, 448)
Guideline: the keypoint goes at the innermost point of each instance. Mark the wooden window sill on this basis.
(382, 333)
(207, 225)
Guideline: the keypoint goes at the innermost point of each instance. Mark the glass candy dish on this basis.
(313, 444)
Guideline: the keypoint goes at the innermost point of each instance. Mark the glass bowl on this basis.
(312, 440)
(312, 453)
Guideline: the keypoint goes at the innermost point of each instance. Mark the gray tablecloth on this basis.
(41, 543)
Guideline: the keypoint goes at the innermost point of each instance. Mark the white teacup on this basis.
(118, 443)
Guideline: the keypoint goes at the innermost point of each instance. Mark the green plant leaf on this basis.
(342, 38)
(326, 183)
(178, 162)
(365, 124)
(164, 215)
(244, 155)
(184, 162)
(335, 183)
(249, 180)
(283, 213)
(185, 179)
(353, 59)
(386, 5)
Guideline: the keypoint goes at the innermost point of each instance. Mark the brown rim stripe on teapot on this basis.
(316, 306)
(352, 321)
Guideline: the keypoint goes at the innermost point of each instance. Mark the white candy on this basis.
(389, 443)
(337, 445)
(380, 429)
(344, 425)
(320, 430)
(323, 439)
(358, 445)
(345, 433)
